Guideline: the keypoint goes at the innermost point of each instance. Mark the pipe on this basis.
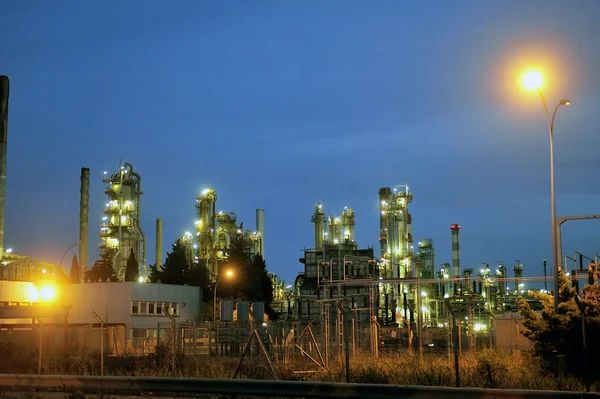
(84, 210)
(138, 194)
(4, 91)
(260, 228)
(159, 228)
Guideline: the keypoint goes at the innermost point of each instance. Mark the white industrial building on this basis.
(130, 313)
(137, 306)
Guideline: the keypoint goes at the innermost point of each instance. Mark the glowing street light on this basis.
(228, 274)
(533, 81)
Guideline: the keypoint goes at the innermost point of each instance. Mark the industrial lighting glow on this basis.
(47, 293)
(141, 279)
(229, 273)
(532, 80)
(9, 250)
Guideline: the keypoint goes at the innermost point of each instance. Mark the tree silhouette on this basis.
(559, 332)
(102, 270)
(74, 272)
(250, 280)
(175, 269)
(132, 271)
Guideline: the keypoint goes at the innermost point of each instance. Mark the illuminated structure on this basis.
(205, 227)
(214, 231)
(120, 231)
(396, 232)
(335, 259)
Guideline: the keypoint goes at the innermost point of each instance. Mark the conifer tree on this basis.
(560, 332)
(102, 270)
(132, 271)
(175, 269)
(74, 272)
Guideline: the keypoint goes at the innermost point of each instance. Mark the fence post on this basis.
(346, 339)
(455, 340)
(41, 327)
(101, 321)
(586, 374)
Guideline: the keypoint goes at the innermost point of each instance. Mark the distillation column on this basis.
(4, 91)
(318, 218)
(455, 228)
(159, 230)
(347, 217)
(84, 212)
(384, 240)
(205, 228)
(260, 231)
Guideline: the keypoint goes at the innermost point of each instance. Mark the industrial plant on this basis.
(399, 293)
(214, 231)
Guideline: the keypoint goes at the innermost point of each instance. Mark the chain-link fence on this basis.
(467, 338)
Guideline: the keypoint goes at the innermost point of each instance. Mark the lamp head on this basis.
(532, 80)
(564, 101)
(229, 273)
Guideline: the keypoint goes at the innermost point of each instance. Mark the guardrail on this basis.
(264, 388)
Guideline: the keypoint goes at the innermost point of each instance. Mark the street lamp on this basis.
(533, 81)
(67, 250)
(228, 273)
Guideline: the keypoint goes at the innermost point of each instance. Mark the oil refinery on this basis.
(121, 232)
(214, 231)
(400, 289)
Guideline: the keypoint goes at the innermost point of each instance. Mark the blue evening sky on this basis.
(276, 104)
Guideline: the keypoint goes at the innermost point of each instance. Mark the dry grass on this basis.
(485, 369)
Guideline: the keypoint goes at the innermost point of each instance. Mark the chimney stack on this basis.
(4, 90)
(159, 229)
(84, 212)
(455, 255)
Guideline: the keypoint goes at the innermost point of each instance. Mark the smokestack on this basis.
(84, 211)
(159, 242)
(4, 90)
(260, 228)
(455, 250)
(455, 256)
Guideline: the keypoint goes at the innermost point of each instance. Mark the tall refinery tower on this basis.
(396, 232)
(121, 232)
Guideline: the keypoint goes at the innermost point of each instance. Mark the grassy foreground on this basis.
(484, 369)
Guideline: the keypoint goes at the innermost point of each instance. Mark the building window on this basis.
(143, 307)
(159, 307)
(151, 308)
(134, 307)
(139, 333)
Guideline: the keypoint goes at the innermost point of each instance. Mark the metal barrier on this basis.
(264, 388)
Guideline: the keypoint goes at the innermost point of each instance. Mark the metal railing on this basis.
(263, 388)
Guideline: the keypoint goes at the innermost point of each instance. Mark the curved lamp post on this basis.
(67, 250)
(533, 81)
(228, 273)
